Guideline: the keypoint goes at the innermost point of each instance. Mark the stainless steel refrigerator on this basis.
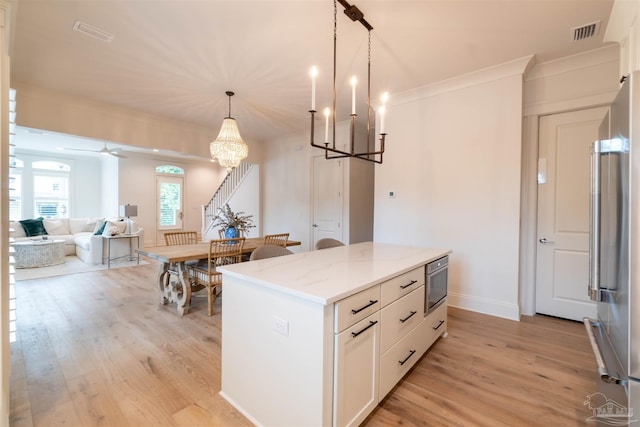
(614, 279)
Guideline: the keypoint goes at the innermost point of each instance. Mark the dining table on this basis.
(173, 261)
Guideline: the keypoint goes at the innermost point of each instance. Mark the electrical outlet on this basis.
(280, 325)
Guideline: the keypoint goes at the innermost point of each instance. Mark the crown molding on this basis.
(572, 63)
(497, 72)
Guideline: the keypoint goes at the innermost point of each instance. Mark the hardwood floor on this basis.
(97, 349)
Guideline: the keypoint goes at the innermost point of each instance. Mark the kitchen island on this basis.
(319, 338)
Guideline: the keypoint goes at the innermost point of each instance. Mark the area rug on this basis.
(72, 264)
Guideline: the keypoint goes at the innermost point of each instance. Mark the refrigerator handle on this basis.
(594, 226)
(603, 372)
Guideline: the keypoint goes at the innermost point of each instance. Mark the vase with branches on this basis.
(232, 222)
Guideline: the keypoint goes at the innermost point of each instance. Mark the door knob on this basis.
(544, 241)
(315, 225)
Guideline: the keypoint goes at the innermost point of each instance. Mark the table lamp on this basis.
(128, 211)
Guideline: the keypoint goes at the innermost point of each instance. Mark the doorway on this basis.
(327, 199)
(562, 253)
(169, 210)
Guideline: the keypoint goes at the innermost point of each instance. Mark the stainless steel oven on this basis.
(437, 276)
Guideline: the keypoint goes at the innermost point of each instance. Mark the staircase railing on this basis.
(223, 194)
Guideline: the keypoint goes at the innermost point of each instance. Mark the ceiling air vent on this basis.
(585, 31)
(92, 31)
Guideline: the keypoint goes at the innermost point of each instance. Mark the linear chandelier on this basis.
(229, 148)
(371, 154)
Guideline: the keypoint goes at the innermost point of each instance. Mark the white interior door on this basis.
(327, 199)
(562, 270)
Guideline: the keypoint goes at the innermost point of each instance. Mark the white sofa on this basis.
(79, 238)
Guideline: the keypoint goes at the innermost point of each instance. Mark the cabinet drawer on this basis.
(436, 323)
(395, 363)
(356, 307)
(401, 285)
(401, 316)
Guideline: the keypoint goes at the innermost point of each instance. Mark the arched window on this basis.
(169, 169)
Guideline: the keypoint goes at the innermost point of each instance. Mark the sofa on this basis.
(82, 237)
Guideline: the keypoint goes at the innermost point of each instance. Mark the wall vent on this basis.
(92, 31)
(586, 31)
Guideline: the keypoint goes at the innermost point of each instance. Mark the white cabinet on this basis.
(404, 335)
(356, 371)
(321, 339)
(357, 346)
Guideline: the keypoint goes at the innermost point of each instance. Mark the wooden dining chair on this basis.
(276, 239)
(173, 238)
(221, 252)
(180, 238)
(327, 243)
(268, 251)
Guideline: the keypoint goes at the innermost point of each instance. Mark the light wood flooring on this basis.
(96, 349)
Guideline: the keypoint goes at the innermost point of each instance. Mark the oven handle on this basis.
(603, 372)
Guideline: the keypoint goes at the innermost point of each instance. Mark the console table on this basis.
(131, 248)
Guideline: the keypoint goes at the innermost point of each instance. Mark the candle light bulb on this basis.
(382, 111)
(354, 81)
(327, 112)
(314, 74)
(384, 97)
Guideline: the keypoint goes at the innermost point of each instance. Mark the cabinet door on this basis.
(356, 371)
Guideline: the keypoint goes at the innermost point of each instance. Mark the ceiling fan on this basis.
(104, 151)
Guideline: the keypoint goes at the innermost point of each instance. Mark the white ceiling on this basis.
(178, 57)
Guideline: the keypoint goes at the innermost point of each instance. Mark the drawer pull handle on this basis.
(408, 284)
(371, 323)
(402, 362)
(408, 317)
(435, 328)
(371, 302)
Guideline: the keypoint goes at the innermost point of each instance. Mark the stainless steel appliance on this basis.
(614, 276)
(437, 277)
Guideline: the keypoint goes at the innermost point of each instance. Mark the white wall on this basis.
(453, 161)
(286, 188)
(110, 178)
(54, 111)
(137, 186)
(246, 199)
(287, 181)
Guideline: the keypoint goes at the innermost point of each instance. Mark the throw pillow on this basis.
(93, 224)
(99, 228)
(114, 228)
(33, 227)
(56, 227)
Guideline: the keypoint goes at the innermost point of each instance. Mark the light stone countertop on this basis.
(328, 275)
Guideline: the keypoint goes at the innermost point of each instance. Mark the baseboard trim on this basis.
(484, 305)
